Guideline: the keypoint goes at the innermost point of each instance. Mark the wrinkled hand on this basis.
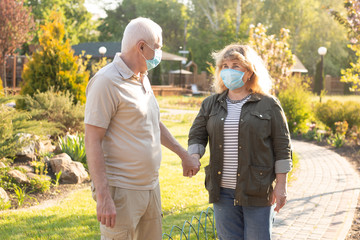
(191, 165)
(105, 209)
(279, 196)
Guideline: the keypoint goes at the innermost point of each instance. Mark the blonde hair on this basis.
(141, 29)
(260, 81)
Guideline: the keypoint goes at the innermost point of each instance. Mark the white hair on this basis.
(141, 29)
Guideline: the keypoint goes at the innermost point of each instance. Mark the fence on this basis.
(197, 228)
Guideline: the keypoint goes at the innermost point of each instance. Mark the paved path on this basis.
(323, 198)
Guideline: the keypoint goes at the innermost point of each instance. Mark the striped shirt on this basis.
(231, 136)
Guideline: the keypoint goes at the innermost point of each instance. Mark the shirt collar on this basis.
(124, 70)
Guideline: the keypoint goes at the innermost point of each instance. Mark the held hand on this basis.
(105, 209)
(279, 196)
(191, 165)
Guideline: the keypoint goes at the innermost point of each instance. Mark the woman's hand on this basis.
(280, 191)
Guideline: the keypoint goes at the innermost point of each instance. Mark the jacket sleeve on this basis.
(198, 135)
(281, 139)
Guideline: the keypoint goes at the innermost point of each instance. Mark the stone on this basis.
(3, 195)
(26, 168)
(33, 175)
(18, 176)
(44, 146)
(71, 172)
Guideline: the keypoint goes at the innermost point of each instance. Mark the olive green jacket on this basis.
(264, 147)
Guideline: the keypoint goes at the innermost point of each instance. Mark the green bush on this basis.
(74, 146)
(296, 102)
(331, 112)
(54, 64)
(57, 108)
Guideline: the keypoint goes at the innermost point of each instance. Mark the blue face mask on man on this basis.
(232, 78)
(152, 63)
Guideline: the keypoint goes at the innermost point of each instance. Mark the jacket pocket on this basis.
(208, 183)
(260, 179)
(260, 124)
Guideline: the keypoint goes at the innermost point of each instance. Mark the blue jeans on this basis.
(241, 223)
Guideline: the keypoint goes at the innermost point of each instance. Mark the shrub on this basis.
(296, 102)
(40, 184)
(57, 108)
(55, 65)
(331, 112)
(1, 88)
(74, 146)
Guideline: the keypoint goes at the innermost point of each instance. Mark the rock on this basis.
(33, 175)
(25, 158)
(18, 176)
(44, 146)
(26, 168)
(72, 172)
(29, 148)
(3, 195)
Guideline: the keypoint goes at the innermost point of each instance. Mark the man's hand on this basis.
(279, 195)
(191, 165)
(105, 209)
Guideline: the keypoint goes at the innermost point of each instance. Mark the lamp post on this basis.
(102, 51)
(322, 51)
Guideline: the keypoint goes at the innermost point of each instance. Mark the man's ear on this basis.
(140, 45)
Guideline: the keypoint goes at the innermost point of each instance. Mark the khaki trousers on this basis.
(138, 215)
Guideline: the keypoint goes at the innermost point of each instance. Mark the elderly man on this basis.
(123, 137)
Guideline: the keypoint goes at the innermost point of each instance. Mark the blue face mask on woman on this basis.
(152, 63)
(232, 78)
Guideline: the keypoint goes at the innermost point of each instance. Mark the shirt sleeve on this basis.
(101, 101)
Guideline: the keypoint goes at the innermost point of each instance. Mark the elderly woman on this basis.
(250, 148)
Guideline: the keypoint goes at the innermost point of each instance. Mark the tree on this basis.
(54, 65)
(275, 53)
(351, 22)
(169, 14)
(15, 24)
(215, 24)
(78, 22)
(310, 27)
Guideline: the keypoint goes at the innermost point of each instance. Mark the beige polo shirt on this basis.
(129, 112)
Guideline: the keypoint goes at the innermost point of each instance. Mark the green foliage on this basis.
(275, 53)
(296, 102)
(311, 26)
(74, 146)
(331, 112)
(167, 13)
(78, 22)
(54, 65)
(9, 139)
(4, 205)
(352, 75)
(1, 88)
(21, 195)
(56, 108)
(58, 175)
(40, 184)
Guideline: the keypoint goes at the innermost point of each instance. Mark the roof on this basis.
(183, 71)
(92, 48)
(298, 66)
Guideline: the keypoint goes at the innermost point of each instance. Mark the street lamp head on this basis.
(102, 50)
(322, 51)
